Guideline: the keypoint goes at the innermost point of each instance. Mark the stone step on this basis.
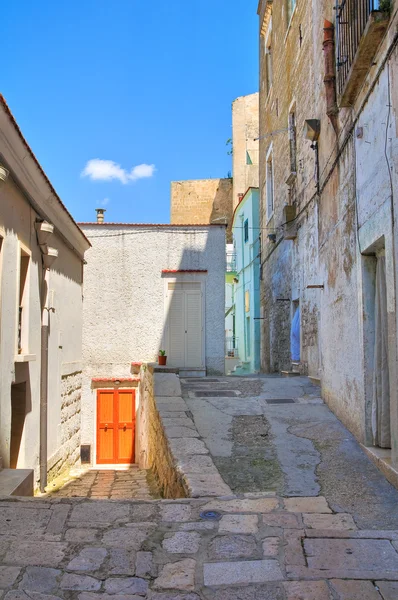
(16, 482)
(290, 374)
(187, 373)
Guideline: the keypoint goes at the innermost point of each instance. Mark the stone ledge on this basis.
(382, 459)
(187, 453)
(16, 482)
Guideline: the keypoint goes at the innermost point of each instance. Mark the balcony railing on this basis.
(231, 262)
(352, 20)
(231, 347)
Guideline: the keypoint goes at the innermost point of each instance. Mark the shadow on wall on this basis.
(194, 310)
(23, 278)
(222, 211)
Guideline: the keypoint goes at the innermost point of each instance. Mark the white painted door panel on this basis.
(185, 327)
(193, 328)
(176, 349)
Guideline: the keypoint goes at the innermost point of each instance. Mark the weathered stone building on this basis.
(245, 145)
(328, 160)
(214, 200)
(199, 201)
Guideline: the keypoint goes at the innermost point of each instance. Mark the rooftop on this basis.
(170, 225)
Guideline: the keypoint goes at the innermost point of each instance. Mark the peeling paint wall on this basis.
(339, 229)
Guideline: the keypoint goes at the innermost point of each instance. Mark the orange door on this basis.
(115, 426)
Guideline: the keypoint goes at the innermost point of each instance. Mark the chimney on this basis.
(240, 198)
(100, 214)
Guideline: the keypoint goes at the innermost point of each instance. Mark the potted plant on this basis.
(162, 359)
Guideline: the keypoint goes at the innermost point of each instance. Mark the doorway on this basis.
(18, 415)
(381, 421)
(295, 333)
(115, 427)
(185, 324)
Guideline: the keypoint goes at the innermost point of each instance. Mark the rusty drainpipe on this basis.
(330, 75)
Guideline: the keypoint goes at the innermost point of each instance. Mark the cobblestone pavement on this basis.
(258, 547)
(116, 485)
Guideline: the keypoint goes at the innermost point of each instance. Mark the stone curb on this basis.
(190, 456)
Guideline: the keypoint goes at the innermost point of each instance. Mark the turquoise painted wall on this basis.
(246, 233)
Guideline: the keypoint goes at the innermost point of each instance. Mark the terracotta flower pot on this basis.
(162, 360)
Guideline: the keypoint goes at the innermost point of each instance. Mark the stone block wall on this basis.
(245, 133)
(153, 447)
(168, 442)
(202, 201)
(68, 454)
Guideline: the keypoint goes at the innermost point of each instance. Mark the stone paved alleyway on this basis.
(256, 547)
(117, 485)
(325, 529)
(260, 442)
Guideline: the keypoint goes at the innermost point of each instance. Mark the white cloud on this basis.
(106, 170)
(104, 202)
(141, 171)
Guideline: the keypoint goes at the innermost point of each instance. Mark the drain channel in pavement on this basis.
(280, 401)
(201, 380)
(216, 394)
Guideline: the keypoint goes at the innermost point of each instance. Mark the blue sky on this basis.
(133, 82)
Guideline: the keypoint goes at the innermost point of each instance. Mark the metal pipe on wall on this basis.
(44, 380)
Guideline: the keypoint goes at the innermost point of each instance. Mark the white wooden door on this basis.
(193, 328)
(185, 326)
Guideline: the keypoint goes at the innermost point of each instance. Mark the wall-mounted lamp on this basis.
(44, 231)
(3, 174)
(236, 280)
(272, 237)
(312, 129)
(49, 255)
(117, 382)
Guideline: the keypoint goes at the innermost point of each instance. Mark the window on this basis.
(268, 60)
(270, 184)
(291, 5)
(293, 142)
(23, 302)
(246, 230)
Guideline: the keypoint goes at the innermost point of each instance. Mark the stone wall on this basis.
(245, 127)
(341, 195)
(68, 454)
(153, 448)
(202, 201)
(168, 442)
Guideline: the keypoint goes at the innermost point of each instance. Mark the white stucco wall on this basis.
(17, 226)
(124, 298)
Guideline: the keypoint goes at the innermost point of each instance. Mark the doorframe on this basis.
(113, 466)
(185, 278)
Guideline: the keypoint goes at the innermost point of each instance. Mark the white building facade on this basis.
(147, 288)
(41, 270)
